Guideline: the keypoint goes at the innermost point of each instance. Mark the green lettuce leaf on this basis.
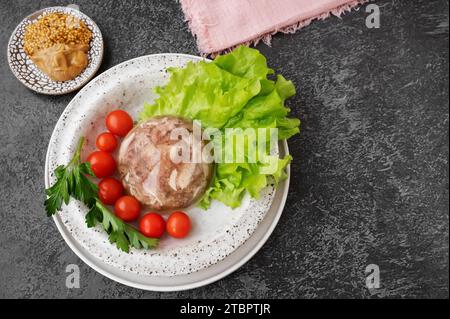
(268, 111)
(203, 91)
(244, 62)
(233, 91)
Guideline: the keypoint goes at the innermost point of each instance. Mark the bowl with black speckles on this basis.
(221, 240)
(29, 74)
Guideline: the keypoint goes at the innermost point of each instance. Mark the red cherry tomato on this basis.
(110, 190)
(127, 208)
(106, 142)
(102, 163)
(119, 122)
(178, 225)
(152, 225)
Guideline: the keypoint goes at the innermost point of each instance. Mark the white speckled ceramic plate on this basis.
(221, 239)
(33, 78)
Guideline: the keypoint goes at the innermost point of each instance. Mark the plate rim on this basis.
(151, 287)
(76, 87)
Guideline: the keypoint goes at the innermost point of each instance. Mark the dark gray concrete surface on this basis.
(369, 179)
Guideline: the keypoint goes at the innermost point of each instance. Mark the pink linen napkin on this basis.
(219, 25)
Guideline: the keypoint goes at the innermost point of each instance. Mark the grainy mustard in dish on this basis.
(58, 44)
(55, 28)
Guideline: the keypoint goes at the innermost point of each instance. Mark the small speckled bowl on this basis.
(28, 73)
(221, 239)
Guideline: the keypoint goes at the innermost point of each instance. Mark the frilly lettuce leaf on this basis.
(233, 91)
(205, 92)
(244, 62)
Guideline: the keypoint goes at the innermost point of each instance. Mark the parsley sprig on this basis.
(72, 181)
(120, 233)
